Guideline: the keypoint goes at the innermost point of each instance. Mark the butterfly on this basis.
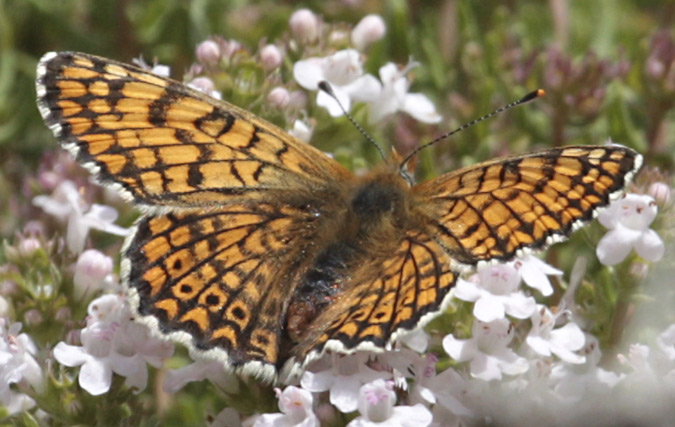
(257, 249)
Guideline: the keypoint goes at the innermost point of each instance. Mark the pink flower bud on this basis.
(271, 57)
(91, 270)
(660, 191)
(279, 97)
(29, 245)
(370, 29)
(208, 52)
(304, 25)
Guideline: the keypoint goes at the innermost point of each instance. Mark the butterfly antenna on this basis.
(325, 86)
(527, 98)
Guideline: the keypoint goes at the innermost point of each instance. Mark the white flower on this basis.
(563, 341)
(441, 389)
(369, 29)
(17, 364)
(205, 85)
(393, 96)
(65, 203)
(535, 273)
(376, 405)
(497, 294)
(93, 271)
(344, 71)
(301, 130)
(343, 379)
(111, 342)
(417, 340)
(487, 351)
(628, 221)
(158, 69)
(296, 410)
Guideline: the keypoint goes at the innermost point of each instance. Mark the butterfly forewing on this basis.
(163, 143)
(493, 210)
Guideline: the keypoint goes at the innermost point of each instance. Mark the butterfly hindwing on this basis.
(389, 294)
(218, 279)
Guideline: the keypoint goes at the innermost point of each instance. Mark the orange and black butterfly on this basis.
(259, 250)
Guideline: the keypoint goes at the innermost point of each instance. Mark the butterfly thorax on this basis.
(377, 205)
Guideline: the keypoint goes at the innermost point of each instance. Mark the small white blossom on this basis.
(296, 410)
(628, 221)
(376, 406)
(497, 295)
(66, 204)
(392, 96)
(563, 341)
(343, 379)
(344, 71)
(158, 69)
(369, 29)
(111, 342)
(301, 130)
(535, 273)
(443, 389)
(205, 85)
(17, 364)
(487, 351)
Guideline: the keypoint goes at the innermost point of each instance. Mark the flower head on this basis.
(487, 351)
(393, 96)
(376, 406)
(628, 220)
(296, 410)
(344, 71)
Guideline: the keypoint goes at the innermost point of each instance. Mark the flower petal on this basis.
(650, 246)
(615, 246)
(70, 355)
(95, 376)
(489, 308)
(421, 108)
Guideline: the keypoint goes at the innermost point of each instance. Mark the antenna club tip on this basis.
(325, 86)
(531, 96)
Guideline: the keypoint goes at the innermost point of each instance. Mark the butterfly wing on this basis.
(218, 280)
(164, 144)
(393, 290)
(493, 210)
